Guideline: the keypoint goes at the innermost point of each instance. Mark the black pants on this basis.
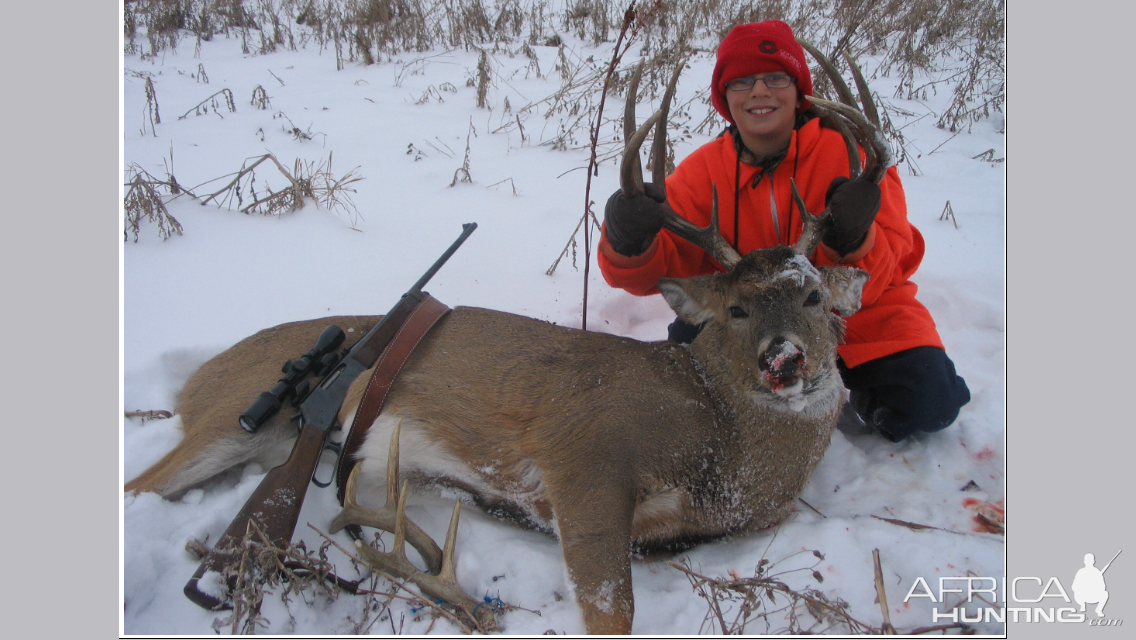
(898, 395)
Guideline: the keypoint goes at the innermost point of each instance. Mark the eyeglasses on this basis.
(778, 81)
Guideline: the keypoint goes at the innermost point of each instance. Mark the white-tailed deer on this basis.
(611, 444)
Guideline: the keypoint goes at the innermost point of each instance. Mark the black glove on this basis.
(632, 223)
(852, 205)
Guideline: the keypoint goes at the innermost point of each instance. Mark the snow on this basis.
(230, 275)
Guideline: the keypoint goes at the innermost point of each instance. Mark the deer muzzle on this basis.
(781, 364)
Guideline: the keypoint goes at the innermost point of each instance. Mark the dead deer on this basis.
(611, 444)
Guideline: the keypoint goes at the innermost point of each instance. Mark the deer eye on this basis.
(738, 312)
(813, 299)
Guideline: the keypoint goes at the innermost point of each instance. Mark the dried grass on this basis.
(144, 202)
(246, 190)
(764, 604)
(258, 568)
(959, 43)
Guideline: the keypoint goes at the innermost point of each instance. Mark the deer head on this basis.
(772, 303)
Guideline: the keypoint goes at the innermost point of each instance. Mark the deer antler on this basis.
(811, 226)
(441, 581)
(854, 125)
(709, 239)
(856, 128)
(385, 518)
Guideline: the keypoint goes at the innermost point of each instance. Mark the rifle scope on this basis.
(295, 371)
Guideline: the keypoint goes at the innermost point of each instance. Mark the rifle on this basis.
(274, 506)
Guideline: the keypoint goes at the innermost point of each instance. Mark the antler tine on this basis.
(838, 84)
(866, 100)
(868, 135)
(441, 581)
(864, 128)
(811, 226)
(709, 239)
(447, 572)
(630, 170)
(392, 464)
(400, 523)
(833, 120)
(387, 518)
(629, 128)
(659, 146)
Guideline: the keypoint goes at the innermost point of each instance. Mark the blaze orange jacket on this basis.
(890, 319)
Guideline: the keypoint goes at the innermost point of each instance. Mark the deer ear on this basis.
(846, 284)
(689, 297)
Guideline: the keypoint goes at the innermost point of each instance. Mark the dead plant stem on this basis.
(628, 18)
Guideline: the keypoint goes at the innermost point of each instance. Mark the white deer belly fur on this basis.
(422, 457)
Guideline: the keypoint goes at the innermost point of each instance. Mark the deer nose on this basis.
(781, 362)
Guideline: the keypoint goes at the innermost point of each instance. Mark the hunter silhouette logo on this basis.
(1088, 584)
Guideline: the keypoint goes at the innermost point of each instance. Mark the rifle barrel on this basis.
(467, 229)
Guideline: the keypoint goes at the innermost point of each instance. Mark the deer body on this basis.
(612, 444)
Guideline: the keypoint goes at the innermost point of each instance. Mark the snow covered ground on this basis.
(405, 124)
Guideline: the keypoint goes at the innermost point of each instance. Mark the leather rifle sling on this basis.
(424, 316)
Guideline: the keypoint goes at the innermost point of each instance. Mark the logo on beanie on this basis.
(767, 47)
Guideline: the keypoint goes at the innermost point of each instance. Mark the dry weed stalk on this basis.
(212, 102)
(299, 134)
(628, 19)
(143, 201)
(462, 172)
(152, 414)
(260, 98)
(258, 566)
(735, 602)
(151, 108)
(313, 180)
(482, 78)
(307, 179)
(949, 214)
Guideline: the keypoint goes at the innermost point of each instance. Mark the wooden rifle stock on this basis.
(275, 508)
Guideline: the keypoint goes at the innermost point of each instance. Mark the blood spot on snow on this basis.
(988, 518)
(985, 454)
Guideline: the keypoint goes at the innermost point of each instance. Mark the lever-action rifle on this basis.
(275, 505)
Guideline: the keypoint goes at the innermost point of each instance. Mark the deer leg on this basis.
(595, 537)
(441, 582)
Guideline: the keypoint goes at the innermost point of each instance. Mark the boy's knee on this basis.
(907, 392)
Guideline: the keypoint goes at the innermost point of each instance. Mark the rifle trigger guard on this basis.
(337, 447)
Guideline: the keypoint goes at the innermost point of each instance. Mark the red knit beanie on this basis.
(756, 48)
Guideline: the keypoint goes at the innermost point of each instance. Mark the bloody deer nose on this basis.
(781, 361)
